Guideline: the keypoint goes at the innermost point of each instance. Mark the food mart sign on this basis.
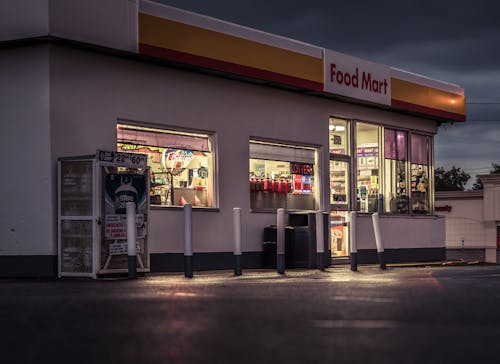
(353, 77)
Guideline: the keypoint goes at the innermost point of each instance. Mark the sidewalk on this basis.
(227, 275)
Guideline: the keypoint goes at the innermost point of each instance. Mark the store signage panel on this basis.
(445, 208)
(353, 77)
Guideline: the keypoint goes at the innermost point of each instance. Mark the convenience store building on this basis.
(228, 117)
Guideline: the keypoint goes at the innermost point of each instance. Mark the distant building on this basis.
(472, 221)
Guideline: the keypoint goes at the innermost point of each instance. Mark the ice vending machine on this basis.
(92, 220)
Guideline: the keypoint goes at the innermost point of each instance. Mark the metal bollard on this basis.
(378, 240)
(280, 241)
(352, 241)
(188, 242)
(237, 240)
(320, 240)
(131, 240)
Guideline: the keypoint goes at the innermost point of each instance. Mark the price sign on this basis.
(123, 159)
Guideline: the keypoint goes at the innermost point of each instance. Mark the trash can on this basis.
(269, 250)
(300, 242)
(306, 251)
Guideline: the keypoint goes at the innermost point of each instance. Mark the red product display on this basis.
(297, 183)
(257, 184)
(277, 186)
(267, 185)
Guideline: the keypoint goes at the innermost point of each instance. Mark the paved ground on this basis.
(402, 315)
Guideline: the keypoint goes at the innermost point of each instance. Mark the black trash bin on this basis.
(300, 242)
(269, 250)
(305, 239)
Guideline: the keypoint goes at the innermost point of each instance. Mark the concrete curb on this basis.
(449, 263)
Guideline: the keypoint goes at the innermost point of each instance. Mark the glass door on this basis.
(77, 217)
(339, 207)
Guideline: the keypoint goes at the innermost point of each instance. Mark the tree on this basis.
(479, 185)
(453, 180)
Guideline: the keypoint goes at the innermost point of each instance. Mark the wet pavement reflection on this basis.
(402, 315)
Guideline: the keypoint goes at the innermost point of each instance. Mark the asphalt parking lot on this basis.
(427, 314)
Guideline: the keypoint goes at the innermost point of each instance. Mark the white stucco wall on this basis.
(23, 19)
(491, 192)
(464, 222)
(109, 23)
(26, 208)
(90, 92)
(399, 232)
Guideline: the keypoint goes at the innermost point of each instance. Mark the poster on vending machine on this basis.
(120, 188)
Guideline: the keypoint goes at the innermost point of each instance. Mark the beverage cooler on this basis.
(92, 221)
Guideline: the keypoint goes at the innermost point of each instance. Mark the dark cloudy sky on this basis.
(453, 41)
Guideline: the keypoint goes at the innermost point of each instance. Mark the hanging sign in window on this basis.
(302, 168)
(176, 159)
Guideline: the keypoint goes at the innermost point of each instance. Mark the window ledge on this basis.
(385, 215)
(287, 211)
(180, 208)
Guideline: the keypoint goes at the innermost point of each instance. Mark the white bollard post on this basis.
(378, 240)
(353, 244)
(237, 240)
(131, 240)
(188, 242)
(280, 241)
(320, 240)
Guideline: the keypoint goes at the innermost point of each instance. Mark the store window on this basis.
(282, 176)
(367, 165)
(340, 162)
(338, 132)
(395, 186)
(420, 195)
(181, 163)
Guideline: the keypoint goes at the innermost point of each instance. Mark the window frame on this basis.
(172, 129)
(318, 173)
(352, 158)
(398, 158)
(430, 167)
(380, 161)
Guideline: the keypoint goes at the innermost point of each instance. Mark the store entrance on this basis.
(339, 206)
